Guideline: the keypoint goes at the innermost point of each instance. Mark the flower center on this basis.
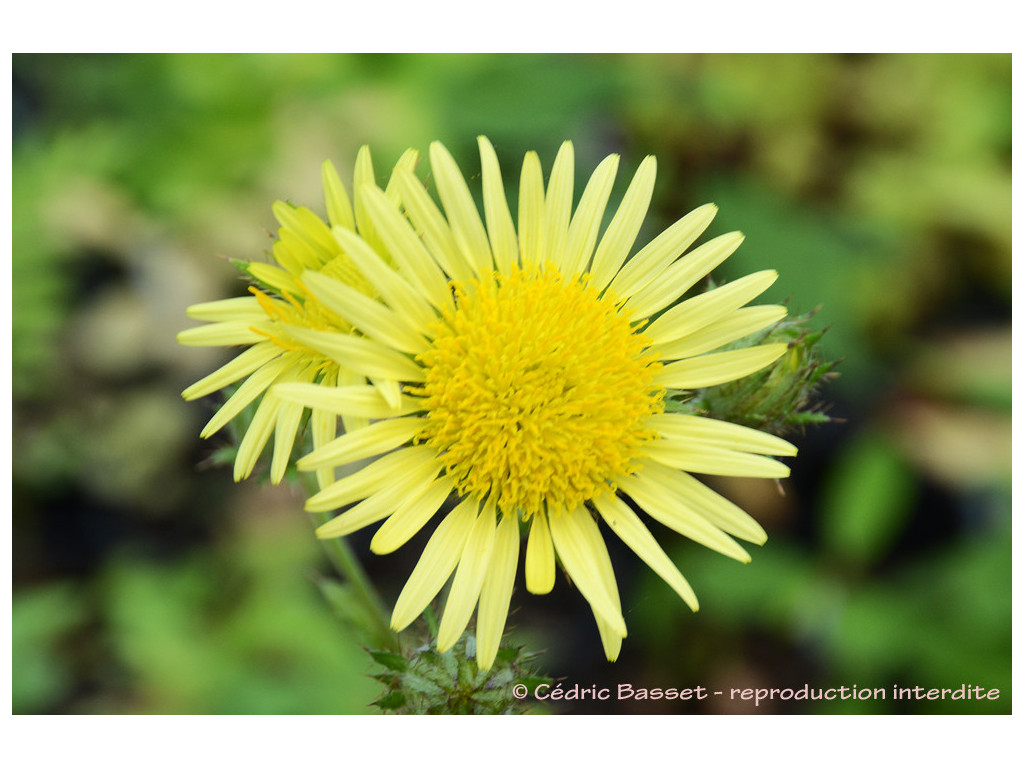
(537, 390)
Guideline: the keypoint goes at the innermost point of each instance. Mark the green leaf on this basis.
(394, 661)
(391, 700)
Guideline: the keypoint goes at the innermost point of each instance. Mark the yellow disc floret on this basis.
(537, 390)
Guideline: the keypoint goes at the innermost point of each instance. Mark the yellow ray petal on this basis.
(742, 322)
(324, 427)
(628, 527)
(618, 239)
(403, 299)
(241, 309)
(249, 390)
(280, 280)
(247, 362)
(716, 509)
(658, 502)
(707, 460)
(587, 220)
(653, 258)
(500, 229)
(496, 592)
(700, 311)
(364, 401)
(436, 234)
(532, 215)
(256, 436)
(558, 204)
(719, 434)
(362, 355)
(540, 556)
(407, 521)
(676, 279)
(339, 207)
(469, 577)
(718, 367)
(460, 210)
(300, 223)
(415, 462)
(404, 490)
(435, 565)
(408, 252)
(611, 636)
(373, 440)
(368, 315)
(226, 334)
(581, 561)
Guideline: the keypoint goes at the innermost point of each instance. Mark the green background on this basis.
(878, 186)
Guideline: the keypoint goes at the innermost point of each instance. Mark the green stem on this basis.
(348, 565)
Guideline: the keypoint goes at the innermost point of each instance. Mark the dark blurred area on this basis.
(145, 581)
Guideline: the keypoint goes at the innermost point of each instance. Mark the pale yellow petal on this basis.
(677, 278)
(368, 315)
(403, 299)
(289, 416)
(249, 390)
(244, 364)
(628, 527)
(611, 634)
(648, 264)
(280, 280)
(256, 436)
(460, 210)
(657, 501)
(324, 427)
(618, 239)
(586, 222)
(435, 565)
(581, 562)
(339, 207)
(317, 245)
(241, 309)
(718, 510)
(718, 367)
(700, 430)
(432, 227)
(410, 256)
(378, 438)
(408, 520)
(403, 489)
(732, 327)
(708, 460)
(558, 204)
(540, 556)
(385, 472)
(496, 592)
(362, 355)
(532, 216)
(232, 333)
(364, 401)
(364, 176)
(500, 229)
(700, 311)
(469, 578)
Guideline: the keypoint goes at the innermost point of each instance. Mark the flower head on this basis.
(536, 362)
(280, 302)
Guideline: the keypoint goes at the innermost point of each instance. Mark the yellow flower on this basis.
(534, 386)
(278, 303)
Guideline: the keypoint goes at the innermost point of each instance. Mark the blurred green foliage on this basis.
(877, 185)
